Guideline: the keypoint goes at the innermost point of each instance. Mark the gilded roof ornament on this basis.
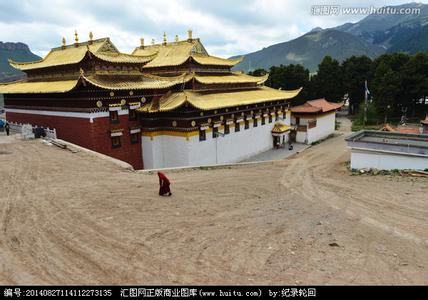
(189, 34)
(76, 37)
(81, 72)
(141, 42)
(176, 38)
(64, 43)
(164, 38)
(91, 37)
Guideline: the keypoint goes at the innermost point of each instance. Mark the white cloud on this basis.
(226, 27)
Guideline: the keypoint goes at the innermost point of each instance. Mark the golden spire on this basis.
(142, 42)
(91, 35)
(189, 33)
(153, 41)
(176, 38)
(76, 37)
(164, 38)
(64, 43)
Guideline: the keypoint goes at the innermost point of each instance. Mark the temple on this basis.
(165, 105)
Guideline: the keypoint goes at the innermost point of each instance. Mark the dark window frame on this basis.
(263, 121)
(255, 122)
(132, 136)
(226, 129)
(115, 145)
(237, 127)
(247, 124)
(202, 135)
(215, 130)
(132, 115)
(114, 116)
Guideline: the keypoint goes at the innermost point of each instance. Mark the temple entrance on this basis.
(280, 134)
(293, 135)
(276, 141)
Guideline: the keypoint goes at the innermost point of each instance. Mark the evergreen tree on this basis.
(355, 70)
(327, 83)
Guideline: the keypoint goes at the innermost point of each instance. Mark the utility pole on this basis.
(217, 135)
(365, 103)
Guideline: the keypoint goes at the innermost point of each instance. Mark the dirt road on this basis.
(69, 218)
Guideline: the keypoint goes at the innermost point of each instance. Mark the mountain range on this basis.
(15, 51)
(372, 36)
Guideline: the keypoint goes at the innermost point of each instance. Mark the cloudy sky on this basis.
(226, 27)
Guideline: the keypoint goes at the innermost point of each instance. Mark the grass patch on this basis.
(205, 168)
(358, 127)
(337, 125)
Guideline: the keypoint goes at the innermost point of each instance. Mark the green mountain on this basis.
(17, 52)
(412, 42)
(385, 29)
(309, 50)
(372, 36)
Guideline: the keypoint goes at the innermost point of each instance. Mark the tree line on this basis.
(397, 83)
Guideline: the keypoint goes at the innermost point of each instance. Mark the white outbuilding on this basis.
(314, 120)
(388, 150)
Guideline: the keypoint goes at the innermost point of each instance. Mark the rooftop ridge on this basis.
(169, 43)
(100, 40)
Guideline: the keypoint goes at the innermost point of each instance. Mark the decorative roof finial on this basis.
(64, 43)
(189, 33)
(164, 38)
(76, 37)
(153, 41)
(81, 72)
(176, 38)
(142, 42)
(91, 36)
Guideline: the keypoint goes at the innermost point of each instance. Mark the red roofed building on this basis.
(314, 120)
(409, 128)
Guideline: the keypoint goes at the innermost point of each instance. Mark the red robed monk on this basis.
(164, 185)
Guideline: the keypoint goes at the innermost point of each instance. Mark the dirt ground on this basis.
(70, 218)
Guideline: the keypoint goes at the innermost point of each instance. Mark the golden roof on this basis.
(216, 61)
(24, 87)
(233, 77)
(171, 54)
(143, 82)
(123, 58)
(216, 100)
(280, 128)
(177, 53)
(101, 48)
(138, 82)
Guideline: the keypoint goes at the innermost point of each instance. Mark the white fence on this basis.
(17, 127)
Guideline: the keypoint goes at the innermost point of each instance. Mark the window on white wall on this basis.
(202, 135)
(226, 129)
(215, 130)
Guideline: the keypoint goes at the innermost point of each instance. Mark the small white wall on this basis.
(325, 127)
(165, 151)
(301, 137)
(361, 159)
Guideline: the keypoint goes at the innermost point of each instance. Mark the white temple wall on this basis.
(164, 151)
